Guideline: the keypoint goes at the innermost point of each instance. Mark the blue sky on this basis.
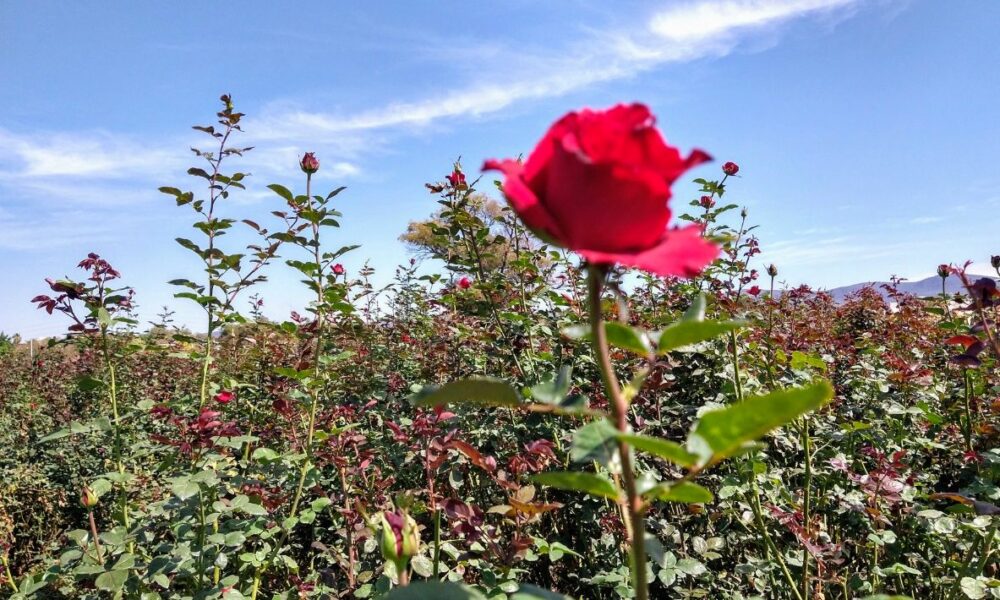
(866, 130)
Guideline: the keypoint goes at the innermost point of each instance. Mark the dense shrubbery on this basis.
(316, 458)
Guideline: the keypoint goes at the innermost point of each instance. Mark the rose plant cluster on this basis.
(578, 387)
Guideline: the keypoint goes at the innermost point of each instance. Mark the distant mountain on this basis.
(925, 287)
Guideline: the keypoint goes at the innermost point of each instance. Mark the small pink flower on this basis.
(464, 283)
(730, 168)
(338, 269)
(224, 397)
(309, 163)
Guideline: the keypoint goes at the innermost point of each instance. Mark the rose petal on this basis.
(524, 201)
(681, 253)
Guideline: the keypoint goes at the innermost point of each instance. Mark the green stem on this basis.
(119, 461)
(93, 532)
(314, 392)
(10, 576)
(806, 504)
(619, 407)
(736, 366)
(754, 502)
(964, 570)
(968, 410)
(437, 542)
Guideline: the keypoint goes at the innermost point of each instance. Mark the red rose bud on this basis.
(309, 163)
(464, 283)
(88, 499)
(772, 270)
(598, 184)
(730, 168)
(224, 397)
(338, 269)
(457, 179)
(707, 202)
(400, 539)
(943, 271)
(754, 291)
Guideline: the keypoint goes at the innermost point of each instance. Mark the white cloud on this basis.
(682, 32)
(96, 154)
(705, 23)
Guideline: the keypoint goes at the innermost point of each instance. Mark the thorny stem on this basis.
(9, 575)
(758, 514)
(806, 504)
(210, 264)
(314, 392)
(93, 532)
(619, 410)
(113, 396)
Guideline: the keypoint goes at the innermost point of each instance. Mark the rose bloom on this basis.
(730, 168)
(598, 183)
(464, 283)
(338, 269)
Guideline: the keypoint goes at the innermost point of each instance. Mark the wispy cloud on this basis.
(680, 33)
(105, 171)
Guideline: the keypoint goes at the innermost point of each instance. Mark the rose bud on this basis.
(457, 179)
(754, 291)
(400, 539)
(995, 261)
(309, 163)
(224, 397)
(599, 183)
(88, 499)
(730, 168)
(943, 271)
(707, 202)
(464, 283)
(772, 270)
(338, 269)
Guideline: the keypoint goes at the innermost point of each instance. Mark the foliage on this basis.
(475, 430)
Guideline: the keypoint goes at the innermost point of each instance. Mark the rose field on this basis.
(581, 385)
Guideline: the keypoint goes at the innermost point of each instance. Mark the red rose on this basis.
(598, 184)
(464, 283)
(754, 291)
(309, 163)
(730, 168)
(457, 179)
(224, 397)
(338, 269)
(707, 202)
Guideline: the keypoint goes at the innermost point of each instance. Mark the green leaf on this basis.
(684, 492)
(530, 592)
(619, 335)
(555, 389)
(628, 338)
(111, 581)
(724, 432)
(485, 391)
(665, 449)
(576, 481)
(695, 312)
(597, 440)
(685, 333)
(426, 590)
(281, 191)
